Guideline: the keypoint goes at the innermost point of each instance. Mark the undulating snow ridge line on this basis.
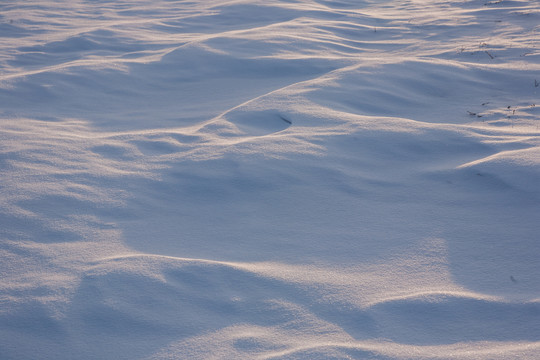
(232, 286)
(332, 278)
(528, 157)
(373, 349)
(158, 36)
(318, 347)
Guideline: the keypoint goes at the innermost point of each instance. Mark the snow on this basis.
(269, 179)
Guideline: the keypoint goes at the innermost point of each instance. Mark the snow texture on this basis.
(278, 179)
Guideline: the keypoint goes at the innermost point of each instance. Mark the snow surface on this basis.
(278, 179)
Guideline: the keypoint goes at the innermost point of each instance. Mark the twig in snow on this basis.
(286, 120)
(475, 114)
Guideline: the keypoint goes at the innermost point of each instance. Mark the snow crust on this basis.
(283, 179)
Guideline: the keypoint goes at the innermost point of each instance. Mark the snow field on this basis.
(274, 180)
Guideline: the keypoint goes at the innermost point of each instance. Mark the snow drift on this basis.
(269, 179)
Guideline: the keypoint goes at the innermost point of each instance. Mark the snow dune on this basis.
(270, 179)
